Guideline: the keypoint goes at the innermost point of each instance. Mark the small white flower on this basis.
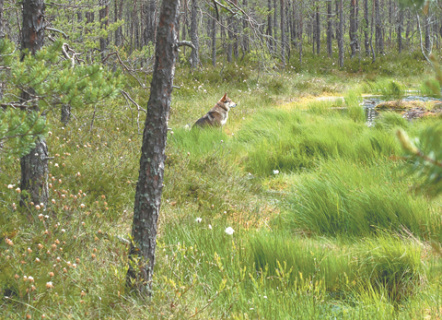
(229, 231)
(275, 171)
(265, 297)
(210, 226)
(10, 186)
(198, 220)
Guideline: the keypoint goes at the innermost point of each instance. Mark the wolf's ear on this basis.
(224, 96)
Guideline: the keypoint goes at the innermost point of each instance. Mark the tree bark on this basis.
(400, 30)
(341, 34)
(104, 22)
(366, 41)
(269, 26)
(214, 23)
(318, 29)
(283, 42)
(428, 33)
(354, 45)
(34, 166)
(329, 29)
(151, 175)
(379, 31)
(194, 58)
(118, 17)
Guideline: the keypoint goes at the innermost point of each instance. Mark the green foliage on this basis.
(424, 159)
(54, 83)
(18, 131)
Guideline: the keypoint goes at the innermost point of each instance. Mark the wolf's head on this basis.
(226, 101)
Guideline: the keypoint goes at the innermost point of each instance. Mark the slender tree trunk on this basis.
(329, 29)
(301, 30)
(214, 41)
(270, 26)
(366, 26)
(231, 38)
(2, 35)
(341, 34)
(400, 30)
(245, 39)
(318, 29)
(104, 22)
(34, 166)
(283, 42)
(353, 28)
(151, 175)
(118, 15)
(194, 58)
(428, 33)
(234, 27)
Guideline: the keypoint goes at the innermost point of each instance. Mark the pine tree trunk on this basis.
(283, 42)
(270, 26)
(151, 175)
(214, 23)
(34, 166)
(366, 25)
(245, 39)
(428, 33)
(194, 59)
(400, 30)
(118, 16)
(104, 22)
(341, 34)
(318, 29)
(353, 28)
(378, 28)
(329, 29)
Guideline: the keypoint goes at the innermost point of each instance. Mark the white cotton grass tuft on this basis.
(229, 231)
(275, 171)
(198, 220)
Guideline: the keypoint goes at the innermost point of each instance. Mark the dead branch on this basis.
(56, 30)
(186, 43)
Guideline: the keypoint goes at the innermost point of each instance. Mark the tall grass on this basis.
(293, 140)
(350, 199)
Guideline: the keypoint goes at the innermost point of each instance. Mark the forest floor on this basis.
(325, 223)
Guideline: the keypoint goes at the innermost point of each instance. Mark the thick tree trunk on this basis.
(151, 175)
(194, 57)
(34, 166)
(341, 34)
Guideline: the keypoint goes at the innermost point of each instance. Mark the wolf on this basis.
(217, 116)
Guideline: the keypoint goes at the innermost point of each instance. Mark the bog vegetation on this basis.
(295, 209)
